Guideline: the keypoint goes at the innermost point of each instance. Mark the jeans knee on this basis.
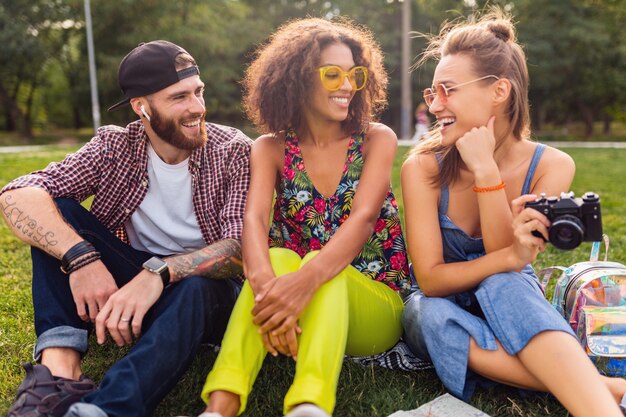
(208, 301)
(206, 291)
(418, 324)
(506, 282)
(427, 313)
(495, 279)
(190, 299)
(68, 205)
(193, 287)
(72, 211)
(411, 310)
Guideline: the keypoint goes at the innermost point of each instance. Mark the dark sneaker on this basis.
(44, 395)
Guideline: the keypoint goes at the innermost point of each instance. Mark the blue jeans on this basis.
(507, 307)
(188, 313)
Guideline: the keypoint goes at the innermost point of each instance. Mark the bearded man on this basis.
(156, 262)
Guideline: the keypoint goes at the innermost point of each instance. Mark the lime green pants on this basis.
(349, 314)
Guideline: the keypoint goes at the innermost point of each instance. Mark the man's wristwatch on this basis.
(158, 266)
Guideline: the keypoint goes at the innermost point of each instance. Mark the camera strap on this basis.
(595, 249)
(546, 274)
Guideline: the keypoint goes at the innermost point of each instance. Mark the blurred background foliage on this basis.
(575, 51)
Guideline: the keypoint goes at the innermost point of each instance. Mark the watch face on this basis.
(154, 264)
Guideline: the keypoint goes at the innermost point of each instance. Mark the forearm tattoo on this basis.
(221, 260)
(23, 224)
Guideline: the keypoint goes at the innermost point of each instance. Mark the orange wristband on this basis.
(487, 189)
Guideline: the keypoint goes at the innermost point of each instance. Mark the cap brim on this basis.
(119, 104)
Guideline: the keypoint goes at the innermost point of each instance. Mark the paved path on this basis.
(31, 148)
(406, 142)
(401, 142)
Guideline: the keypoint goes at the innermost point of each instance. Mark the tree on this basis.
(576, 59)
(575, 51)
(216, 35)
(30, 37)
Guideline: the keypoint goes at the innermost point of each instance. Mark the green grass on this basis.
(47, 136)
(362, 391)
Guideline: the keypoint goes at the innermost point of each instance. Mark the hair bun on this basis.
(502, 30)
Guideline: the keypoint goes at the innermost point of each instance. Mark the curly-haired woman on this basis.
(329, 279)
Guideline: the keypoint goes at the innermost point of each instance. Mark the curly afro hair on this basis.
(279, 80)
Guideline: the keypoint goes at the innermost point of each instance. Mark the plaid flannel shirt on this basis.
(113, 168)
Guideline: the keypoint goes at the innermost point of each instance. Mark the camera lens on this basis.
(566, 232)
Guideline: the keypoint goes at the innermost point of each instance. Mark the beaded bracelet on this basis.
(488, 189)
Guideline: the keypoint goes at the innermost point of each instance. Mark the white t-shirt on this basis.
(165, 222)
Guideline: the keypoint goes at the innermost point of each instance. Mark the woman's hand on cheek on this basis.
(476, 147)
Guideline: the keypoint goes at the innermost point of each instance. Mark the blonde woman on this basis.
(479, 313)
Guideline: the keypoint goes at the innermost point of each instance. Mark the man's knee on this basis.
(68, 205)
(72, 211)
(206, 290)
(207, 302)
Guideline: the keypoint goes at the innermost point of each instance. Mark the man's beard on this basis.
(171, 132)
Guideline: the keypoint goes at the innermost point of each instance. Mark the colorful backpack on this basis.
(591, 296)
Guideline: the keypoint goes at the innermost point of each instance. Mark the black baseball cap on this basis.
(149, 68)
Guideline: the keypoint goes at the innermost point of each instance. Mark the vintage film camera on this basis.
(573, 220)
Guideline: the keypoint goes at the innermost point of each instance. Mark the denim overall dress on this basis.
(509, 307)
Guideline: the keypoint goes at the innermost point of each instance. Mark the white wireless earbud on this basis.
(143, 110)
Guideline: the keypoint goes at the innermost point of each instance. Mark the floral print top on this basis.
(304, 220)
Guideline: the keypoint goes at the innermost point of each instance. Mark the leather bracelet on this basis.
(95, 255)
(80, 262)
(488, 189)
(75, 252)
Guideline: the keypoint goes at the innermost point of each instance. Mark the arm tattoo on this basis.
(21, 222)
(220, 260)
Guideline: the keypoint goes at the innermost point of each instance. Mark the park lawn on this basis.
(370, 391)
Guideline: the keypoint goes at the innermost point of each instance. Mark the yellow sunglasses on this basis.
(332, 77)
